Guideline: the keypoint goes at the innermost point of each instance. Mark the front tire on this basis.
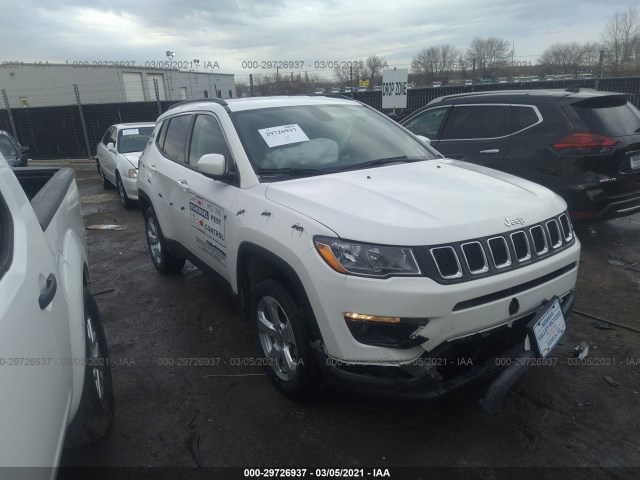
(106, 184)
(164, 261)
(282, 335)
(95, 412)
(122, 193)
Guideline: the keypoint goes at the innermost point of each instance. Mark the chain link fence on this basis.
(74, 130)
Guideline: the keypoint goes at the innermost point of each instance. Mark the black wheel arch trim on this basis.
(247, 248)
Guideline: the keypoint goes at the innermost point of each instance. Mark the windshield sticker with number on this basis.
(283, 135)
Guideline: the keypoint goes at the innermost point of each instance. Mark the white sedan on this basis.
(117, 158)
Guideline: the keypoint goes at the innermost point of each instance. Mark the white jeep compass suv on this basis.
(362, 255)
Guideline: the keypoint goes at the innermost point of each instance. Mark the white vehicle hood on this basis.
(132, 157)
(423, 203)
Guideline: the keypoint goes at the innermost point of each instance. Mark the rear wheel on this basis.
(95, 412)
(283, 338)
(122, 193)
(164, 261)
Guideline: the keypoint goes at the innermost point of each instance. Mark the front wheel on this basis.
(164, 261)
(95, 412)
(106, 184)
(283, 338)
(122, 193)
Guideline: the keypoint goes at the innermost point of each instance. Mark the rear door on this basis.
(476, 133)
(168, 174)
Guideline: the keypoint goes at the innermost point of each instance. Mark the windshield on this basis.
(316, 139)
(133, 139)
(6, 147)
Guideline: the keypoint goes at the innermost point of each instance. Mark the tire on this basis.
(283, 339)
(106, 184)
(164, 261)
(95, 412)
(122, 193)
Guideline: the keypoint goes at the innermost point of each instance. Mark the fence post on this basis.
(8, 107)
(84, 126)
(155, 87)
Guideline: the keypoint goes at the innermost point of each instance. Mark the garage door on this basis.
(133, 87)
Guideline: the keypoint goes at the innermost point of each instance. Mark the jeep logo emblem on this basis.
(509, 222)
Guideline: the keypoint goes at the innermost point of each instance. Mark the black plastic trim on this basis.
(47, 201)
(6, 237)
(508, 292)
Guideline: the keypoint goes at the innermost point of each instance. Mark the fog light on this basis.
(132, 173)
(383, 331)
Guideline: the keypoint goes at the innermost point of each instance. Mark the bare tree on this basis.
(358, 70)
(620, 38)
(490, 54)
(563, 58)
(375, 65)
(435, 63)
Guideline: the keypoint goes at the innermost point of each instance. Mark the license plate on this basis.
(635, 162)
(547, 327)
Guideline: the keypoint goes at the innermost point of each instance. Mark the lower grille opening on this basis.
(508, 292)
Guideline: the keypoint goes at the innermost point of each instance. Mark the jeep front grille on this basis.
(521, 246)
(447, 262)
(475, 257)
(462, 261)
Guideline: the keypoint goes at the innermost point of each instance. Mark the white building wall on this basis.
(52, 85)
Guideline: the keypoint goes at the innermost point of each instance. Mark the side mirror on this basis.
(212, 164)
(24, 149)
(424, 139)
(111, 147)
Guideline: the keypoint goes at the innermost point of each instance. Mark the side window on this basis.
(207, 138)
(175, 142)
(521, 117)
(428, 123)
(476, 121)
(107, 136)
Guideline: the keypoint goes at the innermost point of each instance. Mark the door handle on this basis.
(491, 150)
(48, 292)
(153, 168)
(184, 185)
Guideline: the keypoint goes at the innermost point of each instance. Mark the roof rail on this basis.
(219, 101)
(478, 94)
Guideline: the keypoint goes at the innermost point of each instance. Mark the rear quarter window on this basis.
(521, 117)
(611, 117)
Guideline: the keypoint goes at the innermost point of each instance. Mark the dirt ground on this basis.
(565, 415)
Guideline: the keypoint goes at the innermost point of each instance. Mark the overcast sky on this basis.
(229, 32)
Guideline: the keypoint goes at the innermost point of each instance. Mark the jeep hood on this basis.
(422, 203)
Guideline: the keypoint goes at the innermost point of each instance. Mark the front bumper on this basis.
(131, 187)
(434, 375)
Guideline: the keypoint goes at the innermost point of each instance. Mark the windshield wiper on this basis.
(380, 161)
(290, 171)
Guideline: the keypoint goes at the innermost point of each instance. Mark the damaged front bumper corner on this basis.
(422, 381)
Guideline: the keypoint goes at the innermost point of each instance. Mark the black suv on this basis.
(580, 143)
(15, 153)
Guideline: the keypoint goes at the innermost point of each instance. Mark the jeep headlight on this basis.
(363, 259)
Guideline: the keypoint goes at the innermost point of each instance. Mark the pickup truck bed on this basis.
(46, 188)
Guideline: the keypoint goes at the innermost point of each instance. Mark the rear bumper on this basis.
(591, 202)
(422, 378)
